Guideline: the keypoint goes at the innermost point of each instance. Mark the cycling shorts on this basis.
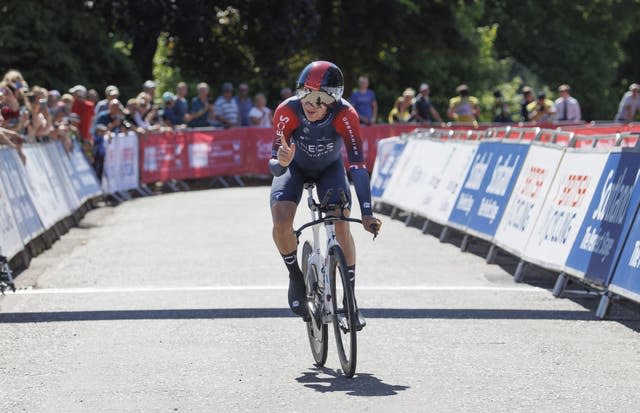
(289, 186)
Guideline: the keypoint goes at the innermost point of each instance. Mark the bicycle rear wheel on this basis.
(344, 313)
(316, 330)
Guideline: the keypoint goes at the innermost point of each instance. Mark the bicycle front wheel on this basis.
(344, 312)
(316, 330)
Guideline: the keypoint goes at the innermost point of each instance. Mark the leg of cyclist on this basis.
(286, 191)
(335, 177)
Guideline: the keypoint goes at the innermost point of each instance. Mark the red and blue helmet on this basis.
(321, 76)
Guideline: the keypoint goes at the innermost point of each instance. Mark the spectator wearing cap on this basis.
(201, 108)
(113, 118)
(464, 107)
(542, 109)
(149, 87)
(629, 104)
(110, 92)
(181, 107)
(364, 102)
(260, 115)
(53, 97)
(227, 112)
(527, 98)
(285, 93)
(84, 109)
(244, 103)
(169, 116)
(423, 110)
(567, 107)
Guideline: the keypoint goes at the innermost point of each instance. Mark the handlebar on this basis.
(324, 219)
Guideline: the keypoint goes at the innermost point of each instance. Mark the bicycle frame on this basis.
(322, 262)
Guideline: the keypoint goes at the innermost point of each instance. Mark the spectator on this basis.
(111, 92)
(169, 116)
(243, 101)
(149, 87)
(13, 140)
(99, 150)
(39, 124)
(11, 101)
(67, 101)
(423, 110)
(53, 97)
(227, 112)
(527, 98)
(260, 115)
(567, 107)
(629, 104)
(501, 113)
(113, 118)
(541, 110)
(364, 102)
(181, 107)
(464, 107)
(84, 109)
(15, 78)
(201, 108)
(285, 93)
(92, 96)
(401, 112)
(145, 115)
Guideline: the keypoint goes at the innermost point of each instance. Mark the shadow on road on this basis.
(324, 380)
(242, 313)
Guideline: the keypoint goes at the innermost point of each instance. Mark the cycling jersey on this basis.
(318, 148)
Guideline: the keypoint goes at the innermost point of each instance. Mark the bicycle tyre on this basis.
(344, 314)
(316, 331)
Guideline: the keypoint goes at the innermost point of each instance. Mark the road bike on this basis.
(330, 296)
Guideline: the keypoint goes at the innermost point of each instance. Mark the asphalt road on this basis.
(178, 303)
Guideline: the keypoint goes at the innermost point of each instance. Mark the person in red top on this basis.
(85, 110)
(310, 130)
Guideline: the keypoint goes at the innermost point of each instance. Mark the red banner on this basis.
(231, 152)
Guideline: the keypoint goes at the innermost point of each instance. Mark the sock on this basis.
(351, 269)
(291, 262)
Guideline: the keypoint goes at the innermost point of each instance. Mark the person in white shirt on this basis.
(260, 115)
(629, 104)
(567, 107)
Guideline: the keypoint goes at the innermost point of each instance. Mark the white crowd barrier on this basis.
(121, 164)
(37, 196)
(567, 203)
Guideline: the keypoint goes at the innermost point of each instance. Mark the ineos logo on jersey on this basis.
(282, 124)
(316, 150)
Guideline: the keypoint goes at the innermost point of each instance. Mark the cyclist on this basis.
(310, 130)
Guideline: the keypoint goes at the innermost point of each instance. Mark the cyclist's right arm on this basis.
(285, 121)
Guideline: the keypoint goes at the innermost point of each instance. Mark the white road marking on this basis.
(214, 288)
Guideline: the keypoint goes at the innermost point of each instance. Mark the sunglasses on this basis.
(315, 97)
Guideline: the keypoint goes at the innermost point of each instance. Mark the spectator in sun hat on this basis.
(629, 104)
(423, 110)
(464, 107)
(149, 87)
(110, 92)
(567, 107)
(84, 109)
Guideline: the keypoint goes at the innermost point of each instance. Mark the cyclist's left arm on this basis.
(348, 125)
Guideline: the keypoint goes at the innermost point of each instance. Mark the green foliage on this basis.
(487, 44)
(58, 45)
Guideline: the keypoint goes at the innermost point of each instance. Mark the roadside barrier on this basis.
(565, 199)
(43, 198)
